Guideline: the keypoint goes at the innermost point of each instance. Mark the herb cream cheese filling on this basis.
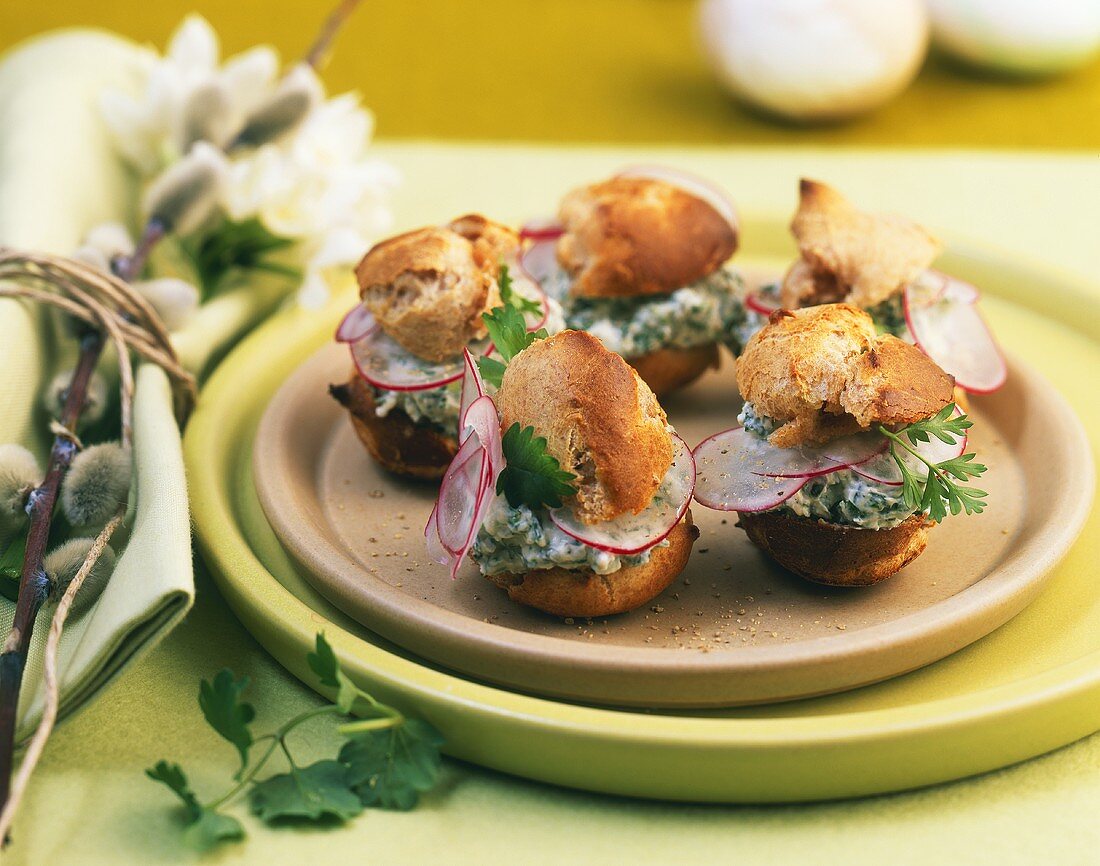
(888, 316)
(438, 407)
(843, 497)
(708, 311)
(518, 539)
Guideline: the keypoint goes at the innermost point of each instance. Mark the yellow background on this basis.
(582, 70)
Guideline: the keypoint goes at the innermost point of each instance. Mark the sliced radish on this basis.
(541, 230)
(540, 262)
(728, 464)
(383, 362)
(484, 421)
(760, 305)
(358, 323)
(855, 450)
(458, 495)
(951, 332)
(473, 387)
(635, 533)
(697, 186)
(466, 492)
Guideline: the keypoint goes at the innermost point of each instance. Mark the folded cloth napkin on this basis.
(58, 177)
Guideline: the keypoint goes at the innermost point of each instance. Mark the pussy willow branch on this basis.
(318, 52)
(53, 691)
(130, 322)
(34, 585)
(106, 302)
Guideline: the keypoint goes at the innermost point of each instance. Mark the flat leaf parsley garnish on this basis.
(939, 492)
(507, 330)
(385, 759)
(512, 298)
(531, 476)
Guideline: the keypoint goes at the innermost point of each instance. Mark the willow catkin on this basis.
(175, 300)
(207, 115)
(292, 100)
(97, 485)
(187, 192)
(95, 401)
(19, 474)
(63, 562)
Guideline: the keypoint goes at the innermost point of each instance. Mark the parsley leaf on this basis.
(391, 767)
(938, 493)
(210, 829)
(324, 663)
(532, 477)
(513, 298)
(173, 776)
(226, 713)
(508, 331)
(313, 792)
(205, 827)
(491, 369)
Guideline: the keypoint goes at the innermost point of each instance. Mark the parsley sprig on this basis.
(386, 759)
(512, 298)
(939, 492)
(531, 476)
(507, 329)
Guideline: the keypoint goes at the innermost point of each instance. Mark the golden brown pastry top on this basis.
(632, 236)
(600, 420)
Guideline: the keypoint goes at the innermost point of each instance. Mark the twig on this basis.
(50, 674)
(34, 585)
(318, 52)
(108, 303)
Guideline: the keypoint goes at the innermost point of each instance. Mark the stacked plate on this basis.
(708, 693)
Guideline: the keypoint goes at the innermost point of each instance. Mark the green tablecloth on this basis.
(91, 805)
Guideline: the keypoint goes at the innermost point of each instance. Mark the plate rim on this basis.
(286, 626)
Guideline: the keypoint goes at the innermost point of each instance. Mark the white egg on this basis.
(815, 59)
(1033, 37)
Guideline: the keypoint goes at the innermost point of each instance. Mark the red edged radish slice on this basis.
(466, 491)
(732, 467)
(854, 450)
(540, 262)
(473, 387)
(946, 287)
(885, 470)
(458, 496)
(483, 420)
(541, 230)
(952, 333)
(635, 533)
(358, 323)
(385, 363)
(697, 186)
(759, 305)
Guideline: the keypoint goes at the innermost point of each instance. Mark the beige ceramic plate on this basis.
(735, 628)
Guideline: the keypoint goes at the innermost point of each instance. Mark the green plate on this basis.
(1029, 687)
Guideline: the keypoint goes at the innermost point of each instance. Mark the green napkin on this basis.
(58, 177)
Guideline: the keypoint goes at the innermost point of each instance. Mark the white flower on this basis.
(187, 97)
(319, 187)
